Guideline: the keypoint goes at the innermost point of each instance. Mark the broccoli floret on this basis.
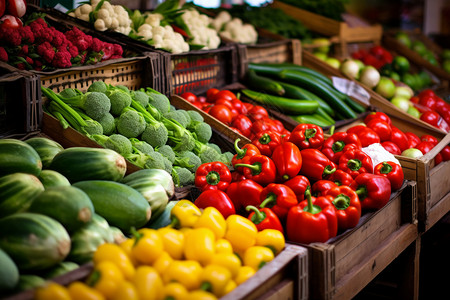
(108, 123)
(154, 161)
(68, 93)
(180, 138)
(215, 147)
(119, 100)
(203, 131)
(206, 153)
(182, 176)
(93, 127)
(155, 134)
(122, 88)
(116, 142)
(226, 158)
(172, 108)
(167, 164)
(158, 100)
(140, 97)
(141, 146)
(188, 160)
(195, 116)
(186, 115)
(167, 152)
(97, 86)
(178, 116)
(131, 123)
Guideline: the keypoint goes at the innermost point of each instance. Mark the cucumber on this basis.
(50, 178)
(17, 192)
(87, 239)
(17, 156)
(60, 269)
(312, 119)
(29, 282)
(164, 219)
(259, 82)
(121, 205)
(83, 163)
(34, 241)
(46, 148)
(285, 105)
(9, 274)
(324, 115)
(153, 175)
(66, 204)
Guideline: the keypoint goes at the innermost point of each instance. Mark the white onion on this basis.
(369, 76)
(350, 68)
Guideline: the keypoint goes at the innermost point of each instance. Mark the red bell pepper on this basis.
(347, 205)
(429, 138)
(339, 143)
(391, 147)
(217, 199)
(244, 193)
(431, 117)
(438, 159)
(445, 153)
(257, 112)
(382, 128)
(243, 154)
(236, 176)
(341, 177)
(279, 197)
(313, 220)
(368, 137)
(299, 184)
(355, 162)
(287, 160)
(321, 187)
(377, 115)
(373, 191)
(243, 124)
(316, 165)
(413, 139)
(355, 129)
(391, 171)
(266, 141)
(425, 147)
(307, 136)
(213, 176)
(264, 218)
(260, 168)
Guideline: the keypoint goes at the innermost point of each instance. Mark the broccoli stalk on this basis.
(206, 153)
(181, 138)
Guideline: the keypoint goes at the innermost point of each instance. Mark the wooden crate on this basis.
(341, 267)
(340, 31)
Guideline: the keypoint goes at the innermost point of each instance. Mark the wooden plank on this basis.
(408, 286)
(282, 291)
(435, 213)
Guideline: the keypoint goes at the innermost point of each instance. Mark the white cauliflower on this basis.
(201, 33)
(163, 37)
(234, 29)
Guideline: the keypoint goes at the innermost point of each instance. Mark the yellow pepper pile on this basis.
(200, 255)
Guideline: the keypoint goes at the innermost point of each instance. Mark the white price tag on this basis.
(61, 8)
(352, 89)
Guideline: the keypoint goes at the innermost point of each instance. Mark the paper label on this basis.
(351, 89)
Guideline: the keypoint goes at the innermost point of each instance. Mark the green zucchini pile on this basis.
(299, 92)
(58, 205)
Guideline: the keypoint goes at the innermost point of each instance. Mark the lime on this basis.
(400, 64)
(410, 80)
(445, 54)
(413, 111)
(419, 47)
(395, 76)
(404, 39)
(446, 65)
(426, 78)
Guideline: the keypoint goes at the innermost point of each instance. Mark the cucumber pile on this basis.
(58, 205)
(300, 93)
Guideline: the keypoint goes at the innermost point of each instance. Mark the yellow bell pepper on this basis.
(186, 272)
(173, 241)
(148, 246)
(241, 232)
(228, 260)
(211, 218)
(162, 262)
(223, 246)
(52, 291)
(105, 278)
(200, 295)
(244, 273)
(272, 239)
(184, 214)
(231, 285)
(126, 291)
(126, 246)
(174, 291)
(214, 279)
(257, 256)
(80, 291)
(148, 283)
(200, 245)
(115, 254)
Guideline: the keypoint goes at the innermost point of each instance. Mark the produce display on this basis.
(332, 9)
(140, 125)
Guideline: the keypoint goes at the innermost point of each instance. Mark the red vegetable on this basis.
(221, 113)
(374, 191)
(445, 153)
(315, 165)
(347, 205)
(259, 168)
(2, 7)
(368, 137)
(17, 8)
(243, 124)
(391, 171)
(279, 197)
(428, 101)
(378, 115)
(287, 159)
(429, 138)
(355, 129)
(341, 177)
(243, 154)
(391, 147)
(217, 199)
(10, 22)
(321, 187)
(264, 218)
(257, 112)
(413, 139)
(244, 193)
(266, 141)
(212, 176)
(355, 162)
(424, 147)
(307, 136)
(210, 93)
(223, 94)
(399, 138)
(189, 97)
(299, 184)
(431, 117)
(339, 143)
(382, 128)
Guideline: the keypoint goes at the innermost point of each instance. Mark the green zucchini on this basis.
(17, 192)
(321, 112)
(9, 274)
(259, 82)
(353, 104)
(285, 105)
(312, 119)
(164, 219)
(34, 241)
(66, 204)
(16, 156)
(46, 148)
(29, 282)
(121, 205)
(83, 163)
(50, 178)
(60, 269)
(153, 175)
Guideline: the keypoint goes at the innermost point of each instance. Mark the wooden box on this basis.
(341, 267)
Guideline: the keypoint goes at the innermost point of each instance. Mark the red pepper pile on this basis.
(308, 188)
(376, 56)
(247, 119)
(434, 110)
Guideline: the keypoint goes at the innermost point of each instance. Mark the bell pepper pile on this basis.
(200, 255)
(433, 109)
(243, 117)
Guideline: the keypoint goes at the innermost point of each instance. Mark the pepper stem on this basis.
(386, 168)
(341, 201)
(137, 236)
(239, 151)
(338, 146)
(328, 171)
(361, 191)
(331, 131)
(354, 164)
(93, 278)
(258, 217)
(256, 167)
(213, 178)
(206, 286)
(270, 201)
(311, 208)
(265, 139)
(310, 133)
